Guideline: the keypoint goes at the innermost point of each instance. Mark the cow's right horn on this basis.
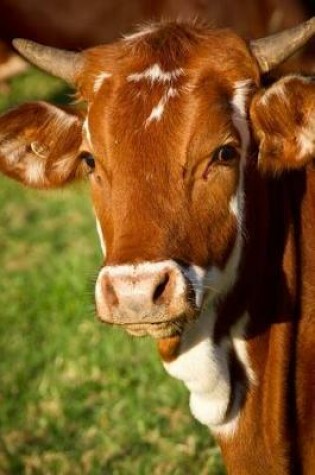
(272, 50)
(63, 64)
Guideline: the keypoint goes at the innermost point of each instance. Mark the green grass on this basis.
(77, 397)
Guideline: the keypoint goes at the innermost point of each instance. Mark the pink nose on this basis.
(149, 292)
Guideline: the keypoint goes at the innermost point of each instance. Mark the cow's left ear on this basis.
(41, 144)
(283, 121)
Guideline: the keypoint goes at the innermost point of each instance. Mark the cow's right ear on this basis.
(283, 121)
(40, 144)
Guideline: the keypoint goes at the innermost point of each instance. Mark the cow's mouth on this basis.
(155, 329)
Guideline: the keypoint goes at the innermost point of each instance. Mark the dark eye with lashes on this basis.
(225, 155)
(88, 159)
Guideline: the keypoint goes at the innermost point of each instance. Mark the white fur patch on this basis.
(86, 132)
(11, 150)
(35, 171)
(278, 89)
(196, 276)
(100, 78)
(204, 369)
(306, 139)
(101, 237)
(157, 111)
(155, 74)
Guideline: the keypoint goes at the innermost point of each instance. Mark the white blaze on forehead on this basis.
(100, 78)
(155, 74)
(157, 111)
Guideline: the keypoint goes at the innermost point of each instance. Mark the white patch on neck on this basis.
(155, 74)
(157, 111)
(100, 78)
(204, 369)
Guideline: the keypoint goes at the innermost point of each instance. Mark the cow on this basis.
(203, 188)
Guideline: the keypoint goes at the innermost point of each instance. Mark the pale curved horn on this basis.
(63, 64)
(274, 49)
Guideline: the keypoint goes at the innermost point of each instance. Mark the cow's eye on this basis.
(225, 154)
(88, 159)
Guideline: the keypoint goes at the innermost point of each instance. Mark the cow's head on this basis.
(164, 143)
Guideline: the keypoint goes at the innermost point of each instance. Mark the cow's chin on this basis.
(156, 330)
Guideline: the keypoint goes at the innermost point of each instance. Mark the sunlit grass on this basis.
(77, 397)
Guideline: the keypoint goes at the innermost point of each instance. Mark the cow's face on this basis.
(164, 143)
(167, 128)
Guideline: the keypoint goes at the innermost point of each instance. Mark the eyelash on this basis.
(218, 158)
(88, 159)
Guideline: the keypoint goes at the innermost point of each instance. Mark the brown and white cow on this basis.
(204, 192)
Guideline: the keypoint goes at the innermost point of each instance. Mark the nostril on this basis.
(109, 293)
(160, 288)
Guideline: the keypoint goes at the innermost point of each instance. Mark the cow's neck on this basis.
(216, 361)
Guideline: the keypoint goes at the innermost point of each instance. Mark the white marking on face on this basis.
(100, 78)
(202, 365)
(155, 74)
(157, 111)
(233, 205)
(86, 132)
(101, 237)
(196, 275)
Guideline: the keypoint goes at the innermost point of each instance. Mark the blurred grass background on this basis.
(77, 397)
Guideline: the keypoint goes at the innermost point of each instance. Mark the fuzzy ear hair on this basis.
(40, 144)
(283, 121)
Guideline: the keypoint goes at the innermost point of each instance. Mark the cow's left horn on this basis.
(63, 64)
(274, 49)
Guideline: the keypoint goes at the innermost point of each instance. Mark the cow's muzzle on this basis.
(148, 298)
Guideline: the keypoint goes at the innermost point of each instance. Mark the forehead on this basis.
(164, 79)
